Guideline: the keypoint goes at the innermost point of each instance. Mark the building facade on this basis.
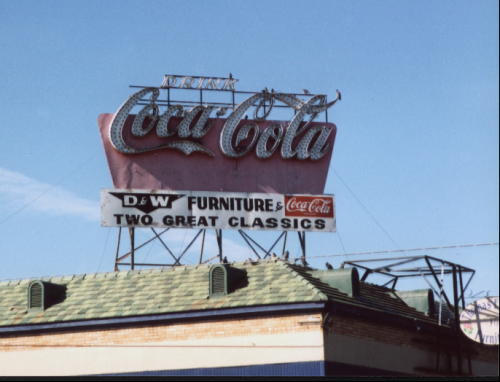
(266, 318)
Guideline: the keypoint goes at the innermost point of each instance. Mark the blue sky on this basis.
(417, 137)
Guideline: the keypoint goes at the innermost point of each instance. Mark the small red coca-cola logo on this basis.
(312, 206)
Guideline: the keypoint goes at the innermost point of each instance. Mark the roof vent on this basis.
(345, 280)
(224, 279)
(420, 299)
(42, 295)
(35, 295)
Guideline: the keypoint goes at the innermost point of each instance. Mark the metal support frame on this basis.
(129, 258)
(426, 266)
(230, 104)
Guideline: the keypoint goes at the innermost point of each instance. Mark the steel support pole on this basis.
(457, 318)
(131, 232)
(302, 240)
(462, 298)
(118, 248)
(165, 245)
(437, 281)
(248, 243)
(218, 234)
(326, 111)
(462, 291)
(202, 247)
(188, 246)
(268, 252)
(284, 244)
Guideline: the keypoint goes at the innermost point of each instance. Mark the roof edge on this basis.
(163, 317)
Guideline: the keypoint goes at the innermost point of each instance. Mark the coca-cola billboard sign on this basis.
(215, 146)
(217, 210)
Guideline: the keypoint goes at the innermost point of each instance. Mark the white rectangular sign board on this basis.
(217, 210)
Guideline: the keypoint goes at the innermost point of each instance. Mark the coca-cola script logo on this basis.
(311, 142)
(312, 206)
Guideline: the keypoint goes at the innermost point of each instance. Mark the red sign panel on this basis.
(309, 206)
(159, 162)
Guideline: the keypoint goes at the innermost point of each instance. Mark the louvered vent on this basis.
(218, 281)
(36, 296)
(43, 294)
(225, 279)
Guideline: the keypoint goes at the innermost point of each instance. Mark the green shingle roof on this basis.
(183, 289)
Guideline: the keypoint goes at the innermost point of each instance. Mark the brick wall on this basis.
(375, 330)
(391, 334)
(216, 328)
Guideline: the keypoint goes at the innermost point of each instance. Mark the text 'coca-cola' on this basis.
(296, 139)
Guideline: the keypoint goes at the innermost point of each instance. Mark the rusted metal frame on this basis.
(420, 269)
(204, 77)
(366, 274)
(466, 269)
(420, 274)
(388, 282)
(457, 317)
(274, 244)
(166, 246)
(249, 244)
(460, 279)
(462, 298)
(394, 283)
(438, 343)
(430, 285)
(467, 284)
(305, 245)
(161, 102)
(142, 245)
(393, 280)
(150, 264)
(131, 231)
(253, 241)
(480, 333)
(441, 296)
(222, 90)
(326, 111)
(118, 248)
(352, 263)
(284, 244)
(478, 321)
(393, 264)
(189, 246)
(210, 259)
(437, 282)
(302, 241)
(390, 258)
(202, 246)
(218, 234)
(492, 301)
